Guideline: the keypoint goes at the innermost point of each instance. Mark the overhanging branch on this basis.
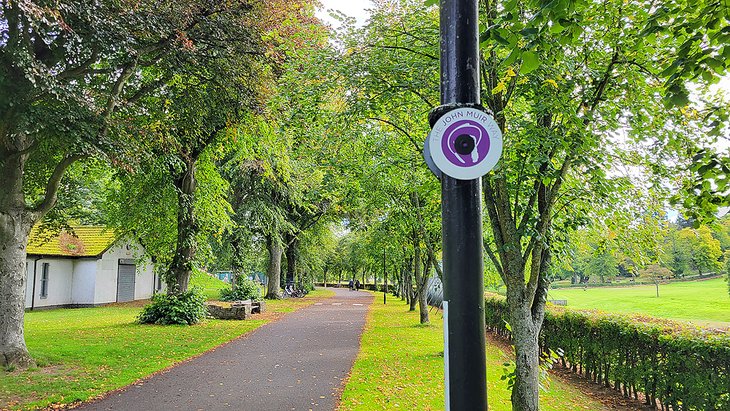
(54, 182)
(400, 129)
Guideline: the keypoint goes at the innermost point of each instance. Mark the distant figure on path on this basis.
(357, 285)
(352, 284)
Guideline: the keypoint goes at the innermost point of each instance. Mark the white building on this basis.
(88, 267)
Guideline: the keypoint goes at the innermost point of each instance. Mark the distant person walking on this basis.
(357, 285)
(352, 284)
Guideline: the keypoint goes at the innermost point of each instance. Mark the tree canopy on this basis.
(250, 136)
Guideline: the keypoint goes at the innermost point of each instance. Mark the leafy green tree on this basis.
(692, 249)
(72, 74)
(678, 254)
(317, 247)
(280, 189)
(558, 113)
(258, 201)
(705, 249)
(602, 265)
(189, 123)
(562, 80)
(656, 273)
(192, 128)
(391, 73)
(721, 231)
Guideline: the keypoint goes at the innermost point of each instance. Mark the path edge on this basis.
(90, 400)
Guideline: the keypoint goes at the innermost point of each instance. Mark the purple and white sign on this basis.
(465, 143)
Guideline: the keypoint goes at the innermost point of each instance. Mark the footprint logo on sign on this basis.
(466, 143)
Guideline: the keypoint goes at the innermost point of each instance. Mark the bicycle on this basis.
(290, 291)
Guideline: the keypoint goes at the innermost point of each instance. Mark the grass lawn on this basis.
(211, 286)
(400, 366)
(702, 302)
(86, 352)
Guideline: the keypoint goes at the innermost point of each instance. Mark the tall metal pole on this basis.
(464, 353)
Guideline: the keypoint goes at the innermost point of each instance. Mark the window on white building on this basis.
(44, 280)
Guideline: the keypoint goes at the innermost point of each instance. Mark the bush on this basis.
(681, 367)
(245, 290)
(187, 308)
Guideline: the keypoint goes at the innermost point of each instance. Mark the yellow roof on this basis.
(83, 241)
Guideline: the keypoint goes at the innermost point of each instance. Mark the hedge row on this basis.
(673, 366)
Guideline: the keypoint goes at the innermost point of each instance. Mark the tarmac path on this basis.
(296, 363)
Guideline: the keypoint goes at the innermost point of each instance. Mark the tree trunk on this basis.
(406, 284)
(292, 248)
(525, 393)
(274, 268)
(181, 267)
(399, 274)
(412, 293)
(421, 281)
(15, 225)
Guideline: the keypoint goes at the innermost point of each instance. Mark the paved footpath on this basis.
(296, 363)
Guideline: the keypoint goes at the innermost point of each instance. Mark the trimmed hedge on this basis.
(682, 368)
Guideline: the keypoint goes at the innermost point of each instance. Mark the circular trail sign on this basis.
(465, 143)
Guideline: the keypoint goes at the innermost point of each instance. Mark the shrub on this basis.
(681, 367)
(187, 308)
(245, 290)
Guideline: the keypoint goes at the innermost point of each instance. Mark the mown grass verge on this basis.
(400, 366)
(210, 286)
(702, 302)
(84, 353)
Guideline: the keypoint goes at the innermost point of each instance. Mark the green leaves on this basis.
(530, 62)
(244, 289)
(187, 308)
(708, 189)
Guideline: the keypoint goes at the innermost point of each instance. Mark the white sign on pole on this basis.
(465, 143)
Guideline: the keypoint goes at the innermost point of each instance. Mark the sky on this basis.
(352, 8)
